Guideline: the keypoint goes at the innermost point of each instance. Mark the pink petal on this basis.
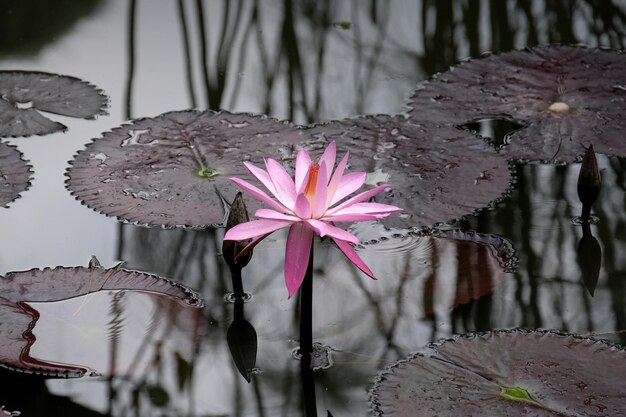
(303, 164)
(274, 215)
(255, 228)
(336, 178)
(299, 243)
(348, 184)
(327, 229)
(303, 207)
(262, 176)
(367, 208)
(329, 157)
(258, 194)
(358, 198)
(353, 257)
(354, 217)
(285, 188)
(318, 206)
(250, 246)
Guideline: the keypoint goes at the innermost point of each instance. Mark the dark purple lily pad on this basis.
(23, 94)
(15, 174)
(507, 373)
(566, 96)
(18, 317)
(436, 174)
(173, 169)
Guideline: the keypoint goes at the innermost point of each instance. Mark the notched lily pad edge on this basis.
(439, 225)
(30, 178)
(192, 298)
(130, 124)
(40, 372)
(408, 108)
(429, 351)
(105, 104)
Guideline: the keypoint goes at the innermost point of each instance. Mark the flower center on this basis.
(309, 190)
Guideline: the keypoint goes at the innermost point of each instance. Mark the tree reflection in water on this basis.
(288, 59)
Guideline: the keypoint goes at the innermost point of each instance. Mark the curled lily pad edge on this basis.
(129, 124)
(430, 351)
(103, 111)
(192, 298)
(30, 177)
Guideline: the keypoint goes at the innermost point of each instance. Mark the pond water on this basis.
(516, 264)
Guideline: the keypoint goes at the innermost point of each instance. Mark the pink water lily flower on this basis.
(309, 205)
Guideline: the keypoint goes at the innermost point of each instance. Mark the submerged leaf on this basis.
(481, 374)
(172, 170)
(436, 174)
(18, 317)
(15, 174)
(568, 97)
(23, 94)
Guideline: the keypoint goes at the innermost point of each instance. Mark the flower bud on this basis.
(230, 248)
(589, 182)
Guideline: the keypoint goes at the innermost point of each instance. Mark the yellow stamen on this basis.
(309, 190)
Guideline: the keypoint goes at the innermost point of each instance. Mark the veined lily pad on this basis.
(173, 169)
(507, 373)
(14, 174)
(436, 174)
(566, 96)
(24, 94)
(18, 317)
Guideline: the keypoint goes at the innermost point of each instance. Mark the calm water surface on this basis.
(514, 265)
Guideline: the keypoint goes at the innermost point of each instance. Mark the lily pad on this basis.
(507, 373)
(24, 94)
(18, 318)
(437, 174)
(15, 174)
(173, 169)
(567, 97)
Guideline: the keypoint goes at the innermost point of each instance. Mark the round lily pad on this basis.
(15, 174)
(507, 373)
(18, 317)
(173, 169)
(23, 95)
(567, 97)
(436, 174)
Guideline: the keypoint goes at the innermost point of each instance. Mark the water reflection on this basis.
(589, 258)
(242, 341)
(284, 59)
